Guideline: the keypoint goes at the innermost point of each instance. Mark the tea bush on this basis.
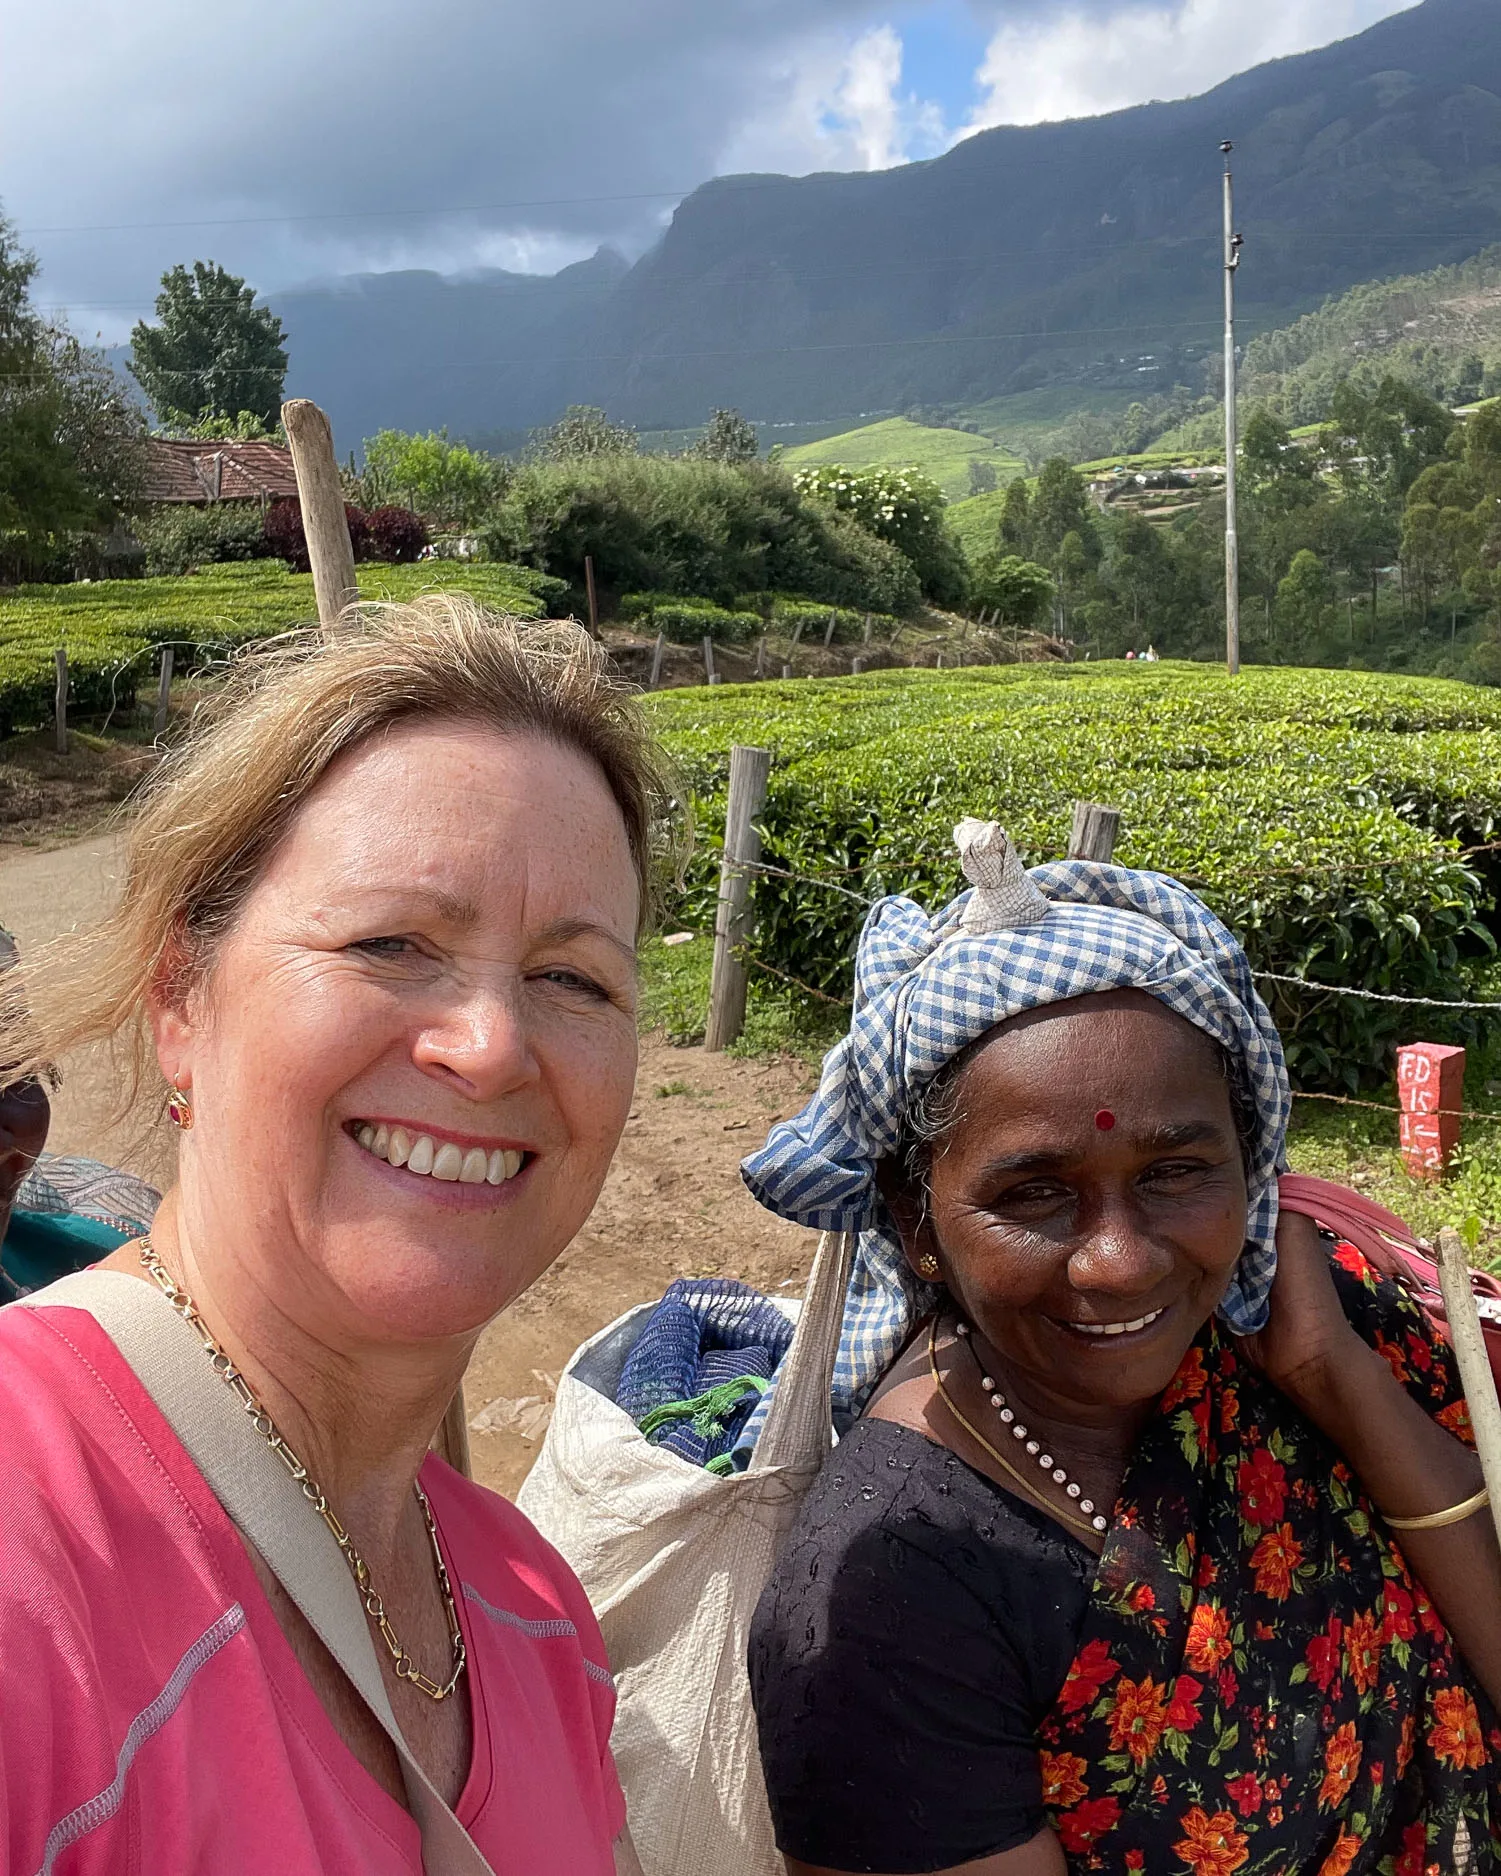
(686, 621)
(110, 628)
(1321, 814)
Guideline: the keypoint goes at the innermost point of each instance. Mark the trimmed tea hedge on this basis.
(1321, 814)
(110, 627)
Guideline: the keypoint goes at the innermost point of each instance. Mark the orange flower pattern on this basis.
(1261, 1685)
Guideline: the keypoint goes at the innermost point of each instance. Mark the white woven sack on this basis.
(674, 1560)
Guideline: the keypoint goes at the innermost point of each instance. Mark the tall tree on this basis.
(584, 430)
(214, 352)
(1014, 534)
(728, 438)
(66, 425)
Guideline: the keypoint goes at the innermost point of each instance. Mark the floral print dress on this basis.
(1261, 1685)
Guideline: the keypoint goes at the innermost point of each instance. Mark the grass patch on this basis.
(898, 443)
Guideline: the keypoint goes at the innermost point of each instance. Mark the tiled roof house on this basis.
(177, 471)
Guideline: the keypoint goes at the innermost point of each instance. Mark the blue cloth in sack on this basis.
(701, 1364)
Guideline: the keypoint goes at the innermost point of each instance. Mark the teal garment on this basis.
(40, 1247)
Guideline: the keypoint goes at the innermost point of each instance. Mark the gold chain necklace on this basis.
(1094, 1529)
(260, 1419)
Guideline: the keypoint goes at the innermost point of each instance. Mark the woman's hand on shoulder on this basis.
(1308, 1336)
(1043, 1856)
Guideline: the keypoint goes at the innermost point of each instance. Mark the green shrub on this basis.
(686, 621)
(1321, 814)
(111, 627)
(712, 529)
(788, 610)
(903, 507)
(181, 537)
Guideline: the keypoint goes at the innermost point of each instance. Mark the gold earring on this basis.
(927, 1266)
(179, 1109)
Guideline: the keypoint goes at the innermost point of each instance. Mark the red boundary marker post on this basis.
(1430, 1091)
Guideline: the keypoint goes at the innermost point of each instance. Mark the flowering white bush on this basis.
(902, 506)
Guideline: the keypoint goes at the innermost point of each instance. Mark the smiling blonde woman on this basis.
(377, 934)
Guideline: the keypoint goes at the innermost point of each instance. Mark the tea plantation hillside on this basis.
(109, 628)
(1325, 816)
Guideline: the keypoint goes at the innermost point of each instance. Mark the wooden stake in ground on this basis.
(592, 596)
(1094, 831)
(709, 658)
(866, 639)
(1468, 1339)
(761, 657)
(60, 701)
(311, 440)
(828, 631)
(797, 632)
(749, 770)
(163, 691)
(656, 662)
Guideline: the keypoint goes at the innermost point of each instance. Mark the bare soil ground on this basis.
(673, 1204)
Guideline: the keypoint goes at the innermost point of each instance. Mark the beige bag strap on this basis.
(258, 1493)
(797, 1421)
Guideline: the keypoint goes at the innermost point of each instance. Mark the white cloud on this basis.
(1073, 62)
(838, 105)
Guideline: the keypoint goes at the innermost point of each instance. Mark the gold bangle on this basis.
(1435, 1520)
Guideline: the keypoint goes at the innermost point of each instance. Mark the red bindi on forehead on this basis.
(1104, 1120)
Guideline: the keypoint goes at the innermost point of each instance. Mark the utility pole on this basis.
(1232, 437)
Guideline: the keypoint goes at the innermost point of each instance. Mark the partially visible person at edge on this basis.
(58, 1212)
(378, 935)
(1105, 1575)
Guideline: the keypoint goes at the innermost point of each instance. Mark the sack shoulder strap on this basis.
(255, 1489)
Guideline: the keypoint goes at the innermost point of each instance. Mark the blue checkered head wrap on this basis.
(926, 987)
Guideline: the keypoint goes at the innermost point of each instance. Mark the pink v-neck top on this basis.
(153, 1718)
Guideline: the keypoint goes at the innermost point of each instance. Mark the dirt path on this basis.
(673, 1204)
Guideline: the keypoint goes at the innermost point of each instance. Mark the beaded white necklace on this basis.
(1031, 1446)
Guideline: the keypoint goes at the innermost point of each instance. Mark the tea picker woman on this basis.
(376, 946)
(1153, 1541)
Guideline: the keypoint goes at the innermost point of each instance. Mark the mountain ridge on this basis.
(1020, 256)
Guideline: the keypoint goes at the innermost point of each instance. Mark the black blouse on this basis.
(918, 1624)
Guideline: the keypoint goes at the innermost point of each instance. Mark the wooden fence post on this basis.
(592, 597)
(708, 658)
(828, 631)
(163, 691)
(60, 701)
(857, 665)
(1094, 831)
(311, 440)
(749, 771)
(1475, 1372)
(797, 632)
(867, 629)
(761, 657)
(786, 670)
(656, 662)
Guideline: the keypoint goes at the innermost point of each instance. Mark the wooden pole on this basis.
(1474, 1364)
(786, 670)
(163, 691)
(749, 770)
(761, 658)
(451, 1441)
(867, 629)
(656, 662)
(60, 701)
(708, 658)
(1094, 831)
(592, 596)
(828, 631)
(797, 632)
(857, 665)
(311, 440)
